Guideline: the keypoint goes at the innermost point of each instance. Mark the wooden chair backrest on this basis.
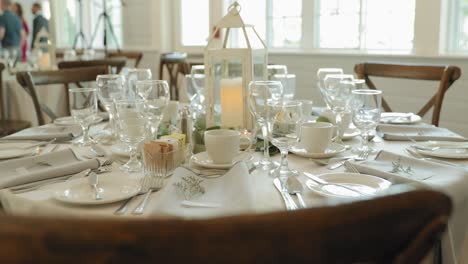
(117, 63)
(175, 64)
(399, 228)
(133, 55)
(31, 80)
(446, 75)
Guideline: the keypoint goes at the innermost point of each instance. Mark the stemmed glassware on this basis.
(155, 96)
(83, 107)
(366, 106)
(110, 88)
(134, 75)
(337, 89)
(280, 73)
(286, 131)
(132, 129)
(261, 93)
(321, 74)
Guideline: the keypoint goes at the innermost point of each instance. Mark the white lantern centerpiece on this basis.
(230, 64)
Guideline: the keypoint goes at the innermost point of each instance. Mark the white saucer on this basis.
(202, 159)
(121, 149)
(333, 150)
(350, 133)
(448, 150)
(69, 121)
(364, 183)
(113, 189)
(399, 118)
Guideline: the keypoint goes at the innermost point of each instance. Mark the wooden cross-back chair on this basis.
(132, 55)
(117, 63)
(399, 228)
(175, 64)
(31, 80)
(446, 75)
(8, 126)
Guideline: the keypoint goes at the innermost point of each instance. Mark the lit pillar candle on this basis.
(44, 61)
(232, 103)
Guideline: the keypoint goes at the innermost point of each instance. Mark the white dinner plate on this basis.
(350, 133)
(333, 150)
(112, 189)
(448, 150)
(69, 121)
(399, 118)
(363, 183)
(202, 159)
(121, 149)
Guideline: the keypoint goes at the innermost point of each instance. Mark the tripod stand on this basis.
(80, 34)
(107, 24)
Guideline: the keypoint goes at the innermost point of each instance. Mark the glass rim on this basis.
(88, 89)
(151, 82)
(139, 70)
(108, 75)
(367, 91)
(265, 83)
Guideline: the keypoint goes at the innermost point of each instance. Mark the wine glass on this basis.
(337, 89)
(110, 88)
(321, 74)
(155, 96)
(132, 129)
(286, 131)
(280, 73)
(83, 107)
(260, 94)
(134, 75)
(366, 106)
(197, 75)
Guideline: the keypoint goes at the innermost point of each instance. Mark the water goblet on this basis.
(260, 94)
(132, 130)
(155, 97)
(110, 88)
(83, 107)
(366, 107)
(286, 131)
(134, 75)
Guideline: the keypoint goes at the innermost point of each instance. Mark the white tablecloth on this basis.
(266, 197)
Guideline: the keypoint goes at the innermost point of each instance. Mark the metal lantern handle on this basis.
(235, 8)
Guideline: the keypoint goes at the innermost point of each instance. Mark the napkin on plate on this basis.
(232, 192)
(47, 132)
(418, 133)
(37, 168)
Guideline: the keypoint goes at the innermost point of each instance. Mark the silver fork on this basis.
(351, 168)
(149, 184)
(362, 156)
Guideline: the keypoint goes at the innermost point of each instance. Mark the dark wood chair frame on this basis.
(30, 80)
(117, 63)
(445, 74)
(399, 228)
(133, 55)
(173, 68)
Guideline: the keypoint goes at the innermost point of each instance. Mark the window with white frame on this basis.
(67, 23)
(195, 22)
(365, 24)
(458, 30)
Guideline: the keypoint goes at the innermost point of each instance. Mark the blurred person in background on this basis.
(18, 10)
(39, 22)
(12, 33)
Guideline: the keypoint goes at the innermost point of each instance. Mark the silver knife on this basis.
(93, 182)
(288, 200)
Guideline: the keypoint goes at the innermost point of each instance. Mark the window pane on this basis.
(195, 16)
(338, 24)
(389, 24)
(286, 23)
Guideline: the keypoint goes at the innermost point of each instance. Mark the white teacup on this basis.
(316, 137)
(222, 145)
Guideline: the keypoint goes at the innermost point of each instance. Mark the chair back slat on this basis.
(132, 55)
(117, 63)
(397, 228)
(31, 81)
(446, 75)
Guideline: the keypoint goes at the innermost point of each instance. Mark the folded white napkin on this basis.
(37, 168)
(233, 193)
(47, 132)
(451, 180)
(418, 133)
